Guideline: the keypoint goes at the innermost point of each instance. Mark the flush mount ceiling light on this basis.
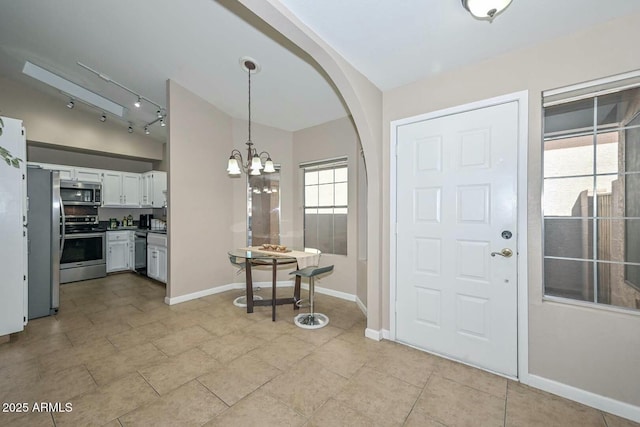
(254, 159)
(77, 92)
(485, 10)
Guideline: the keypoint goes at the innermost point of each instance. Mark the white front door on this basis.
(456, 204)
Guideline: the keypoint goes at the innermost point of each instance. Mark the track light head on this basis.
(162, 123)
(146, 130)
(138, 103)
(159, 114)
(130, 130)
(103, 117)
(71, 104)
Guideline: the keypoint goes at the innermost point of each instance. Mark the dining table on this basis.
(259, 256)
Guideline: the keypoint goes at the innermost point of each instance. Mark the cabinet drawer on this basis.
(115, 236)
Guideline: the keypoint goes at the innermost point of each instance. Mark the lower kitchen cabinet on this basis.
(157, 257)
(120, 251)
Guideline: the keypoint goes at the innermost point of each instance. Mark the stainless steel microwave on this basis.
(81, 193)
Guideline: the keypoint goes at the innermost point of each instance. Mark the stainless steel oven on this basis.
(83, 244)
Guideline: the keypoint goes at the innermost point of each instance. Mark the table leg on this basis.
(249, 286)
(273, 291)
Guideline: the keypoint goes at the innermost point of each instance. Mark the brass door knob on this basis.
(506, 252)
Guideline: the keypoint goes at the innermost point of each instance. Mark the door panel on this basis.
(456, 193)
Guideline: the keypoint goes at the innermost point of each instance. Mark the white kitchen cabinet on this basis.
(120, 189)
(157, 256)
(118, 251)
(88, 175)
(153, 189)
(67, 173)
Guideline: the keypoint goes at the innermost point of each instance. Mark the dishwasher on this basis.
(141, 252)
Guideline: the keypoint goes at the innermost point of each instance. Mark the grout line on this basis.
(604, 419)
(506, 402)
(150, 385)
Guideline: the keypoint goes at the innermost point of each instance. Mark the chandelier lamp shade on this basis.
(485, 10)
(254, 164)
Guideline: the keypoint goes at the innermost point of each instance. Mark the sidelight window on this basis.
(326, 205)
(591, 194)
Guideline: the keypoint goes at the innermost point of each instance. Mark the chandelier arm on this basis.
(268, 156)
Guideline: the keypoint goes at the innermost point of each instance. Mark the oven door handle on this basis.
(84, 235)
(63, 233)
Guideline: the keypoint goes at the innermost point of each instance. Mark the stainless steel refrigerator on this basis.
(44, 242)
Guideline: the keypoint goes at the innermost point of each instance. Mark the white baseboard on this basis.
(603, 403)
(361, 306)
(377, 334)
(279, 284)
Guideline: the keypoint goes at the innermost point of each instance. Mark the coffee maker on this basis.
(145, 221)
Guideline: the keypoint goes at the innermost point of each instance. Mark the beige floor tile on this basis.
(19, 350)
(113, 314)
(258, 409)
(64, 387)
(420, 419)
(32, 419)
(337, 414)
(52, 363)
(406, 363)
(156, 315)
(268, 330)
(189, 306)
(178, 370)
(21, 374)
(96, 332)
(379, 396)
(341, 357)
(283, 351)
(220, 326)
(182, 340)
(145, 304)
(108, 403)
(452, 403)
(234, 381)
(189, 405)
(305, 387)
(473, 377)
(106, 369)
(72, 321)
(316, 337)
(137, 336)
(185, 319)
(528, 407)
(614, 421)
(230, 346)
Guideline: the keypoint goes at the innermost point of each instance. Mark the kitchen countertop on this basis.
(133, 228)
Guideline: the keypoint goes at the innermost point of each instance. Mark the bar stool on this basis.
(311, 320)
(241, 301)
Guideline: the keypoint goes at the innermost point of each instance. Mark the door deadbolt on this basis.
(506, 234)
(506, 252)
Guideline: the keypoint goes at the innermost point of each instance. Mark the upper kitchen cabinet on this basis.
(120, 189)
(70, 173)
(153, 189)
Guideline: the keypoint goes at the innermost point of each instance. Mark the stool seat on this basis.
(312, 271)
(311, 320)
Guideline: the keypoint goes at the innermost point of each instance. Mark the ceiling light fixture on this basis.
(485, 10)
(103, 117)
(162, 123)
(71, 89)
(138, 103)
(71, 104)
(146, 130)
(254, 159)
(130, 129)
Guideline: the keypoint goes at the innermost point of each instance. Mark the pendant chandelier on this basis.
(485, 9)
(254, 163)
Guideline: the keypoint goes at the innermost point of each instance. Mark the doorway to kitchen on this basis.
(458, 260)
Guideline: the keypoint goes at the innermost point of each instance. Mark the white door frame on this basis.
(523, 120)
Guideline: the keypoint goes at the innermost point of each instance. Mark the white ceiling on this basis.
(198, 43)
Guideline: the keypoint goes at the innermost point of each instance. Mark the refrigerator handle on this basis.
(62, 231)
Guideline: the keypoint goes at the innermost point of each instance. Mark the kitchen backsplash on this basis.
(104, 214)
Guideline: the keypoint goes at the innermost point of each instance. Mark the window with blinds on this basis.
(326, 205)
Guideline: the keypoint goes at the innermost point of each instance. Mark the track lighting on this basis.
(159, 114)
(130, 130)
(71, 104)
(103, 118)
(138, 103)
(146, 130)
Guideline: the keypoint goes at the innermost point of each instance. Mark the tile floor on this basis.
(121, 356)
